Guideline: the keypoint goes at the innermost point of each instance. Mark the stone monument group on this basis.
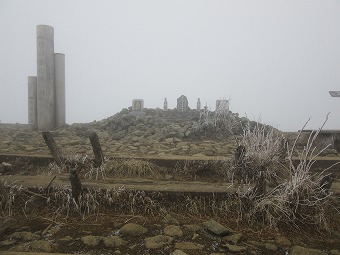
(46, 90)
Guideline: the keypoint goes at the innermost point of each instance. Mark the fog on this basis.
(274, 60)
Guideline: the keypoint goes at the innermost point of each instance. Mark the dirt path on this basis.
(134, 184)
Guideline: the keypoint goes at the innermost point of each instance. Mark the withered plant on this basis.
(131, 167)
(298, 195)
(8, 195)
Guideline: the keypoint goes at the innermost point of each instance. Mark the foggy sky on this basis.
(275, 60)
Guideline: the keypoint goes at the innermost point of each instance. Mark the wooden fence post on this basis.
(97, 150)
(53, 148)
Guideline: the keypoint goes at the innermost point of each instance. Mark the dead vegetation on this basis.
(271, 189)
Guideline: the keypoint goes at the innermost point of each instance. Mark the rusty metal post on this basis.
(53, 147)
(97, 150)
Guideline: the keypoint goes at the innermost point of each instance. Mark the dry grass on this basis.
(203, 168)
(8, 195)
(131, 168)
(297, 195)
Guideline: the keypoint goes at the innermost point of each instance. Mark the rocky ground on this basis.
(171, 234)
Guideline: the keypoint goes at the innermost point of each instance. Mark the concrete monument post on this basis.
(60, 104)
(32, 101)
(45, 78)
(165, 105)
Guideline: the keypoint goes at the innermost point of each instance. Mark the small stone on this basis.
(267, 245)
(270, 246)
(195, 236)
(118, 252)
(171, 220)
(283, 241)
(233, 238)
(91, 240)
(188, 246)
(41, 246)
(217, 228)
(235, 248)
(132, 229)
(157, 242)
(66, 239)
(173, 230)
(113, 241)
(179, 252)
(299, 250)
(25, 236)
(168, 176)
(192, 228)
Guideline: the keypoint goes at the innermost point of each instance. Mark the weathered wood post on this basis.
(75, 184)
(97, 150)
(282, 153)
(53, 148)
(239, 155)
(260, 187)
(326, 183)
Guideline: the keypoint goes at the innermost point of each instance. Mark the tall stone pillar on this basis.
(45, 78)
(165, 105)
(32, 101)
(60, 102)
(198, 108)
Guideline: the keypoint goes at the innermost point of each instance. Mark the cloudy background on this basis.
(275, 60)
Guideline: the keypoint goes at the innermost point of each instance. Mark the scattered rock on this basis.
(217, 228)
(233, 238)
(283, 241)
(299, 250)
(132, 229)
(113, 241)
(192, 228)
(91, 240)
(66, 239)
(171, 220)
(235, 248)
(179, 252)
(266, 245)
(173, 230)
(25, 236)
(157, 242)
(41, 246)
(188, 246)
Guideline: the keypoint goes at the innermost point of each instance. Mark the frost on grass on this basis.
(288, 192)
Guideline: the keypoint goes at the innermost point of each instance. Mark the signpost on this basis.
(334, 93)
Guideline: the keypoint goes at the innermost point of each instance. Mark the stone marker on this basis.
(138, 107)
(182, 104)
